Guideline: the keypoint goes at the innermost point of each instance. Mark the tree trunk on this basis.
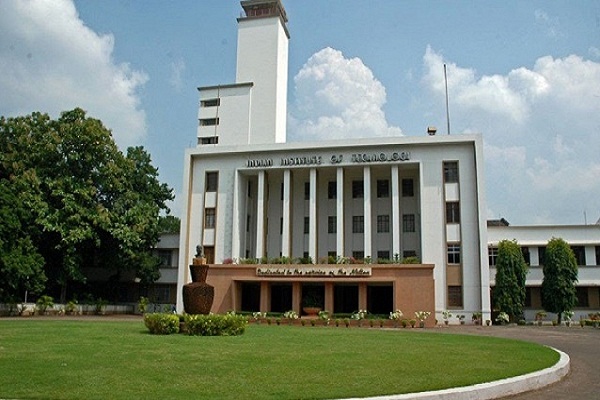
(63, 293)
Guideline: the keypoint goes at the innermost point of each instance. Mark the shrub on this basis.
(162, 324)
(44, 302)
(215, 325)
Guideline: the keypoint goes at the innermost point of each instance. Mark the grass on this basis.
(62, 359)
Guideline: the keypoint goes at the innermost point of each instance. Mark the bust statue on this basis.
(199, 251)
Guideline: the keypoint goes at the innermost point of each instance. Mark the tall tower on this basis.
(262, 58)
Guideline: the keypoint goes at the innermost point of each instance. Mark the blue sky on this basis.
(525, 74)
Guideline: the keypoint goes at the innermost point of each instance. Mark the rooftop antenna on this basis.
(447, 109)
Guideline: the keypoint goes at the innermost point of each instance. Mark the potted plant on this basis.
(290, 315)
(476, 318)
(311, 304)
(143, 304)
(539, 317)
(502, 318)
(568, 317)
(43, 303)
(446, 315)
(460, 318)
(422, 316)
(100, 306)
(71, 307)
(396, 316)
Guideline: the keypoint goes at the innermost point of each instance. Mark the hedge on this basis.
(215, 324)
(162, 324)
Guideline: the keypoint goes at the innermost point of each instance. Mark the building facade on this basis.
(251, 197)
(585, 243)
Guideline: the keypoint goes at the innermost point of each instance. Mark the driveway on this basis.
(581, 344)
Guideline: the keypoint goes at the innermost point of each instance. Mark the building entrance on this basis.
(250, 300)
(345, 299)
(281, 297)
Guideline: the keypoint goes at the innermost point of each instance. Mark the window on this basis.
(383, 188)
(209, 218)
(250, 187)
(526, 255)
(579, 252)
(162, 294)
(452, 212)
(358, 224)
(331, 190)
(455, 296)
(527, 297)
(358, 255)
(409, 253)
(209, 121)
(383, 255)
(451, 171)
(383, 223)
(281, 226)
(541, 254)
(597, 255)
(306, 190)
(358, 190)
(582, 297)
(408, 222)
(453, 254)
(306, 225)
(165, 258)
(208, 140)
(408, 189)
(248, 220)
(212, 181)
(332, 224)
(210, 102)
(492, 256)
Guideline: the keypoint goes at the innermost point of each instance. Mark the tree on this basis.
(91, 205)
(511, 274)
(21, 266)
(169, 224)
(559, 293)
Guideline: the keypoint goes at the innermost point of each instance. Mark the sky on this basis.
(524, 74)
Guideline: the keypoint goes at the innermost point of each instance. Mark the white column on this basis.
(286, 215)
(236, 228)
(339, 247)
(260, 215)
(312, 218)
(396, 217)
(367, 212)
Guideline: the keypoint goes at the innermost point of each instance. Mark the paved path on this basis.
(582, 346)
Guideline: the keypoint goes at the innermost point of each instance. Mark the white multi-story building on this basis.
(250, 195)
(585, 243)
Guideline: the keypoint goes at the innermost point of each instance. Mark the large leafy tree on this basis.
(559, 293)
(511, 274)
(92, 205)
(21, 265)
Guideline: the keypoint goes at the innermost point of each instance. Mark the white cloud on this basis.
(51, 62)
(540, 127)
(489, 94)
(550, 25)
(337, 97)
(177, 70)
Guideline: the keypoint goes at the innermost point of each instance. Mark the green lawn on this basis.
(67, 359)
